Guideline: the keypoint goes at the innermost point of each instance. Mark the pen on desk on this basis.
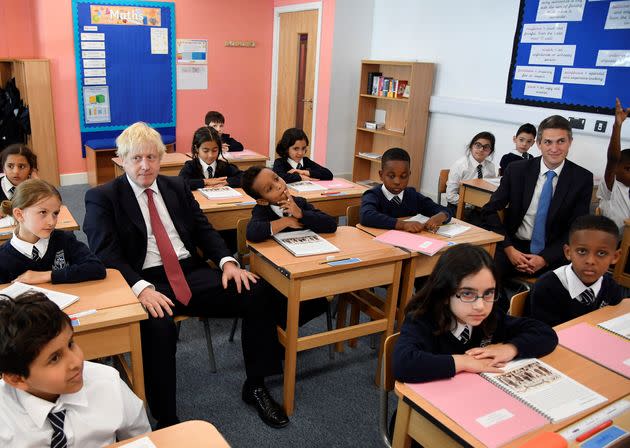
(328, 193)
(332, 261)
(82, 313)
(594, 431)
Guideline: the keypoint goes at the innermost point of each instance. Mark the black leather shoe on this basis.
(269, 411)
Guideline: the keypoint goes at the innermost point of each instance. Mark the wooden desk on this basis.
(191, 434)
(114, 328)
(334, 205)
(597, 316)
(224, 213)
(307, 278)
(420, 265)
(65, 222)
(243, 159)
(440, 431)
(474, 191)
(170, 165)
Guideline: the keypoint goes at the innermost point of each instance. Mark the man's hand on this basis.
(155, 302)
(535, 263)
(34, 277)
(232, 272)
(517, 258)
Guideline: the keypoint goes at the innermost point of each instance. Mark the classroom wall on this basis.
(239, 78)
(351, 43)
(17, 38)
(472, 47)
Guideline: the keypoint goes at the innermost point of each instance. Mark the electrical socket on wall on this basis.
(577, 123)
(600, 126)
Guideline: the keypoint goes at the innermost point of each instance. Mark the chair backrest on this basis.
(352, 215)
(619, 274)
(442, 185)
(517, 304)
(387, 384)
(241, 241)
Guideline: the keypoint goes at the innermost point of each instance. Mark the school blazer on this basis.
(117, 232)
(191, 171)
(571, 199)
(282, 168)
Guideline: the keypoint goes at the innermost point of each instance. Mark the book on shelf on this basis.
(447, 230)
(412, 241)
(598, 345)
(407, 91)
(220, 192)
(371, 155)
(372, 89)
(619, 325)
(305, 186)
(61, 299)
(400, 88)
(302, 243)
(528, 395)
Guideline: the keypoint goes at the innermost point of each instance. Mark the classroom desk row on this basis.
(417, 418)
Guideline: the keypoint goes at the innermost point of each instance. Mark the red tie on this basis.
(174, 272)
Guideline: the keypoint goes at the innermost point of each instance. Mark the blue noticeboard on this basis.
(125, 63)
(571, 55)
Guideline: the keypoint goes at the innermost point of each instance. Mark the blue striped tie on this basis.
(540, 221)
(58, 439)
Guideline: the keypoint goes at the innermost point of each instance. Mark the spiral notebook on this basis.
(528, 395)
(619, 325)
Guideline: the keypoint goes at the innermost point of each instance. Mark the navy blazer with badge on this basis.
(117, 232)
(192, 172)
(259, 227)
(571, 199)
(282, 167)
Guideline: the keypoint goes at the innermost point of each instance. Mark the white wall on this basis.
(471, 43)
(351, 43)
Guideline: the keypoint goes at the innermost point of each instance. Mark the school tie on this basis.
(299, 166)
(396, 201)
(587, 297)
(479, 172)
(210, 172)
(58, 439)
(11, 192)
(540, 221)
(35, 254)
(525, 156)
(173, 270)
(464, 337)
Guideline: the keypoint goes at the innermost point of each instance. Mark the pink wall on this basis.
(17, 38)
(239, 78)
(323, 84)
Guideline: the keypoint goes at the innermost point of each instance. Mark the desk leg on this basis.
(290, 349)
(406, 287)
(390, 313)
(461, 202)
(136, 360)
(401, 429)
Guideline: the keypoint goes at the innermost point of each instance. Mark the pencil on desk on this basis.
(333, 261)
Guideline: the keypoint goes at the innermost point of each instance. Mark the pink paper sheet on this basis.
(412, 241)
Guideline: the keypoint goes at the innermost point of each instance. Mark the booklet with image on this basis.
(302, 243)
(220, 192)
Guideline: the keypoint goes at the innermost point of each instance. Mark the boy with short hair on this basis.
(49, 396)
(614, 191)
(386, 205)
(585, 284)
(524, 139)
(216, 120)
(276, 210)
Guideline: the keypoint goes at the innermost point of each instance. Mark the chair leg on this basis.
(342, 306)
(355, 312)
(206, 328)
(331, 352)
(178, 327)
(233, 330)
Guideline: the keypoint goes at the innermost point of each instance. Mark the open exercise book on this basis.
(447, 230)
(528, 395)
(619, 325)
(302, 243)
(411, 241)
(305, 185)
(62, 299)
(220, 192)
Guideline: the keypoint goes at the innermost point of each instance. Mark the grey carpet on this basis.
(336, 401)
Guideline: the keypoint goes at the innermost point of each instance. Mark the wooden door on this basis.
(296, 71)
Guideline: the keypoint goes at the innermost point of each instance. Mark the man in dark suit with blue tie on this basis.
(149, 227)
(540, 197)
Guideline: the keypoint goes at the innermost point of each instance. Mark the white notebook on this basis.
(619, 325)
(447, 230)
(302, 243)
(544, 389)
(305, 186)
(62, 299)
(7, 221)
(220, 193)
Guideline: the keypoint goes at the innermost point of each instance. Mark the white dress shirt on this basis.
(465, 168)
(153, 257)
(105, 409)
(572, 282)
(524, 232)
(614, 204)
(294, 164)
(389, 195)
(6, 186)
(204, 168)
(26, 248)
(458, 328)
